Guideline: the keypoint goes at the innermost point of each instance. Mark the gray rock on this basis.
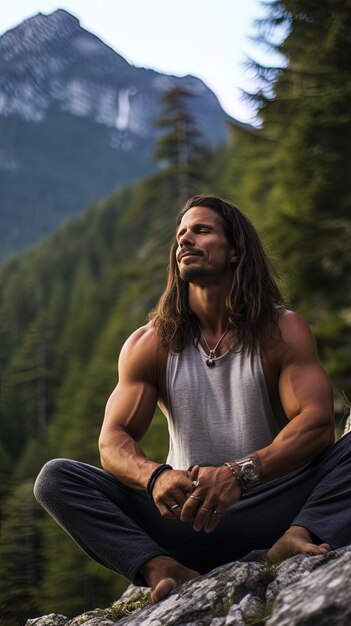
(204, 599)
(98, 617)
(240, 614)
(133, 593)
(321, 599)
(53, 619)
(298, 568)
(301, 591)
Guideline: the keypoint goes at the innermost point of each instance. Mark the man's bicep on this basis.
(303, 383)
(130, 407)
(306, 386)
(132, 404)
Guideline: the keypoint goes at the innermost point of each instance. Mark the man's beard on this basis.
(190, 274)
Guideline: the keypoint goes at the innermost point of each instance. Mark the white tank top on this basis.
(219, 413)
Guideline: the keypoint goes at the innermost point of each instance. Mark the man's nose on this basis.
(186, 239)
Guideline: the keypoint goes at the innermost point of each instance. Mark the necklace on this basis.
(211, 359)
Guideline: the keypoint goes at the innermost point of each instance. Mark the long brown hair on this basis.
(253, 298)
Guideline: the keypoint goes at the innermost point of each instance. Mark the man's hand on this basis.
(170, 492)
(217, 490)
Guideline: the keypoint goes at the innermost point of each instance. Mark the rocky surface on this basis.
(347, 427)
(301, 591)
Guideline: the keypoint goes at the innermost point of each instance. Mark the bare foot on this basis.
(163, 574)
(296, 540)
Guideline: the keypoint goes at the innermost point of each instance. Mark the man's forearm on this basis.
(297, 444)
(121, 456)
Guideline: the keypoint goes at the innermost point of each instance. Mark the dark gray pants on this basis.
(121, 528)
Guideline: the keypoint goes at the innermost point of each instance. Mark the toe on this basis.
(162, 589)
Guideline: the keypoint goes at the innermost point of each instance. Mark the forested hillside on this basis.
(67, 305)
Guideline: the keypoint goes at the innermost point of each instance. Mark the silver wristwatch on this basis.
(249, 473)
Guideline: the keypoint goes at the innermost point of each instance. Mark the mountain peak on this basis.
(36, 31)
(76, 119)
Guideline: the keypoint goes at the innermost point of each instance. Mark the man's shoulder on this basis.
(142, 350)
(292, 338)
(144, 335)
(292, 327)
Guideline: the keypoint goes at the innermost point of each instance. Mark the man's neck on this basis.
(209, 306)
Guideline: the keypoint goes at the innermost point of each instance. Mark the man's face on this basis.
(203, 251)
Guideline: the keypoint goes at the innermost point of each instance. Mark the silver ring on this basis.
(195, 498)
(175, 506)
(195, 483)
(202, 508)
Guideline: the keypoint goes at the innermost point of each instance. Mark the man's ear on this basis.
(234, 258)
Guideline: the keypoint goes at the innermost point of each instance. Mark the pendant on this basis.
(210, 362)
(211, 359)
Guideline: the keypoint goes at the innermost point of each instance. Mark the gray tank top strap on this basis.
(218, 413)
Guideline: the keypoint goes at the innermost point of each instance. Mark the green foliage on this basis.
(262, 614)
(222, 608)
(32, 193)
(122, 608)
(310, 119)
(179, 146)
(5, 472)
(72, 582)
(292, 175)
(76, 298)
(20, 563)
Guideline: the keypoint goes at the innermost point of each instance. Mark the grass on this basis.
(263, 612)
(123, 608)
(223, 609)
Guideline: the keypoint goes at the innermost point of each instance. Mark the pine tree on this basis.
(179, 146)
(305, 111)
(20, 562)
(310, 122)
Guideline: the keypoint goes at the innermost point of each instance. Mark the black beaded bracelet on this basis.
(155, 474)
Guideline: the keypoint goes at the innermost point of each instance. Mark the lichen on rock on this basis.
(300, 591)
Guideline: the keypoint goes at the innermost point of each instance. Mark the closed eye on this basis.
(203, 228)
(197, 229)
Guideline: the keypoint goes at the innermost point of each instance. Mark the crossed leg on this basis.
(123, 530)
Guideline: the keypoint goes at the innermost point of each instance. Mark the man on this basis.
(250, 411)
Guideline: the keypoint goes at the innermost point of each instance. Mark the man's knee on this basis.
(49, 480)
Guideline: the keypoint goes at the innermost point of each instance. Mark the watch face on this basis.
(250, 471)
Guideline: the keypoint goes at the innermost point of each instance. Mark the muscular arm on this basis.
(306, 395)
(128, 414)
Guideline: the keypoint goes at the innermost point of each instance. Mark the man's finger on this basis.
(202, 518)
(190, 508)
(213, 521)
(169, 510)
(171, 487)
(194, 472)
(176, 496)
(176, 509)
(197, 498)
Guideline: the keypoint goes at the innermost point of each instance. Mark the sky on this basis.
(207, 38)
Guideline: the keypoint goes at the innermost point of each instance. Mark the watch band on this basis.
(235, 472)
